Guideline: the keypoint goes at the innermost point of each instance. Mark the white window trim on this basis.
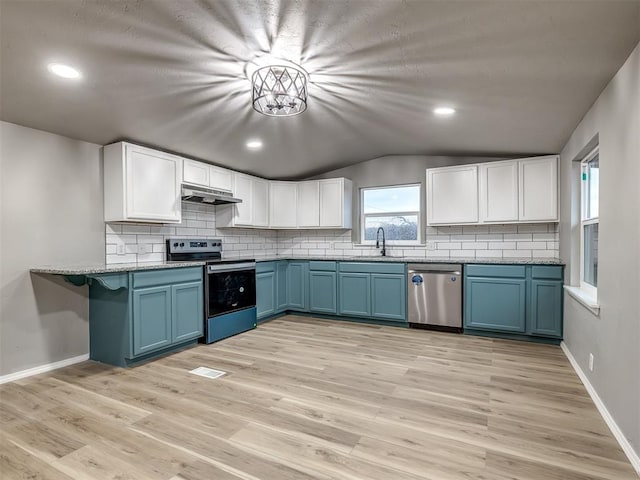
(588, 289)
(363, 216)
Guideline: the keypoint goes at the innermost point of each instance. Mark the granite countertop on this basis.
(379, 258)
(103, 268)
(130, 267)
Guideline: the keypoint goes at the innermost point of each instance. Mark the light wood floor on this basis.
(315, 399)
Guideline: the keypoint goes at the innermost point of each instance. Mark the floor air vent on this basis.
(208, 372)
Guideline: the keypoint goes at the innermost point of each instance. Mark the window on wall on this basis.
(396, 209)
(590, 199)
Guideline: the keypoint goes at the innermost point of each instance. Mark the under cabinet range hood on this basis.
(209, 196)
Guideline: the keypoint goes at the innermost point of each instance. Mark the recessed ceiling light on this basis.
(444, 111)
(254, 144)
(64, 71)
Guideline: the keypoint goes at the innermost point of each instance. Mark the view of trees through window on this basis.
(396, 209)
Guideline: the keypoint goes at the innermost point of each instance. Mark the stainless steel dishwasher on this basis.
(435, 296)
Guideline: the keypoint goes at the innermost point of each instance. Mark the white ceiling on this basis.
(171, 74)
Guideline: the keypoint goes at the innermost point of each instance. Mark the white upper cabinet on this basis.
(196, 173)
(538, 189)
(499, 192)
(141, 184)
(283, 200)
(452, 195)
(510, 191)
(335, 203)
(243, 189)
(309, 204)
(254, 209)
(220, 178)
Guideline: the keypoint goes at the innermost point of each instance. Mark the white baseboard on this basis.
(42, 368)
(633, 457)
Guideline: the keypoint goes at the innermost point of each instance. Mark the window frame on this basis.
(591, 290)
(417, 213)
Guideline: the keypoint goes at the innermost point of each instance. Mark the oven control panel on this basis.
(194, 245)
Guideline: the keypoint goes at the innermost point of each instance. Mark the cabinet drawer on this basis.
(501, 271)
(371, 267)
(166, 277)
(262, 267)
(323, 266)
(550, 272)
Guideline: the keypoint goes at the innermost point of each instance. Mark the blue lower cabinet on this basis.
(354, 294)
(297, 284)
(521, 301)
(388, 297)
(187, 311)
(497, 304)
(546, 308)
(265, 294)
(144, 314)
(151, 319)
(323, 290)
(281, 286)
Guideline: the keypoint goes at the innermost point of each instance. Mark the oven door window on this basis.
(231, 291)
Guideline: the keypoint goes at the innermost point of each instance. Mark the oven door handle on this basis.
(231, 267)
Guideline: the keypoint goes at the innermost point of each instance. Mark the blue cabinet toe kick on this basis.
(230, 324)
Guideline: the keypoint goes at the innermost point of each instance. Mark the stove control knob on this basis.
(182, 244)
(175, 244)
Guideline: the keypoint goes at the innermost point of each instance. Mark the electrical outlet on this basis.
(120, 250)
(591, 362)
(144, 248)
(431, 245)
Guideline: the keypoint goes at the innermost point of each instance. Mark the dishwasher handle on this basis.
(431, 272)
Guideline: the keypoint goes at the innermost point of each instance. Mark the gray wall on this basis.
(51, 213)
(614, 336)
(394, 170)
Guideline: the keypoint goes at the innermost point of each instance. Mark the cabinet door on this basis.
(188, 311)
(220, 179)
(265, 294)
(497, 304)
(354, 294)
(297, 285)
(309, 204)
(452, 195)
(331, 203)
(388, 297)
(546, 308)
(260, 203)
(195, 172)
(323, 290)
(283, 199)
(499, 192)
(281, 285)
(243, 189)
(539, 189)
(151, 319)
(153, 185)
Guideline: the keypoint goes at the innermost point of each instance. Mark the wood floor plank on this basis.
(312, 399)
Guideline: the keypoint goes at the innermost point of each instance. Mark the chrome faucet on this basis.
(384, 250)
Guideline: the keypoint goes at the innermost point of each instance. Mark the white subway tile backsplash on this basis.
(544, 236)
(503, 228)
(474, 245)
(517, 254)
(533, 228)
(502, 245)
(488, 253)
(533, 245)
(469, 241)
(463, 238)
(518, 236)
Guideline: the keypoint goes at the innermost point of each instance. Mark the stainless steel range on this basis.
(229, 286)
